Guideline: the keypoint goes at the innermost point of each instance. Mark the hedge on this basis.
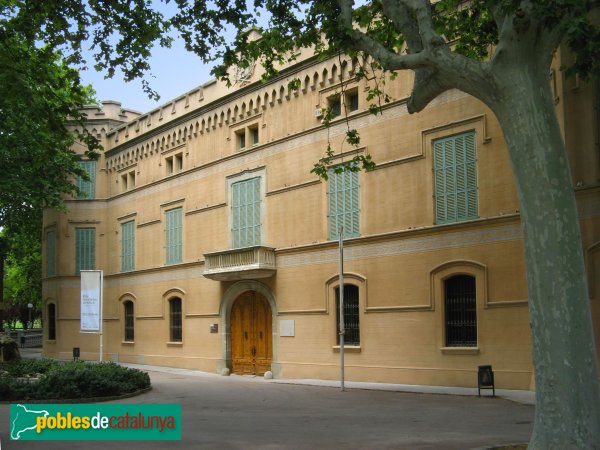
(68, 380)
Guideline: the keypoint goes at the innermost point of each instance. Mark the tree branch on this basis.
(388, 59)
(436, 68)
(422, 11)
(500, 17)
(346, 7)
(400, 15)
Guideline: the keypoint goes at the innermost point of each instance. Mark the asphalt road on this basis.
(240, 413)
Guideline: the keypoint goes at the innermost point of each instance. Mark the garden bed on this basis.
(45, 379)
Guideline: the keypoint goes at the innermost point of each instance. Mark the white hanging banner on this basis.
(91, 301)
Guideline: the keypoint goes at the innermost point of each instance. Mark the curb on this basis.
(80, 400)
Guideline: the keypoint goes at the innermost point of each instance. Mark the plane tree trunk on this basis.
(515, 84)
(564, 356)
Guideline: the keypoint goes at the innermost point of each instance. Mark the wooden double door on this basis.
(251, 334)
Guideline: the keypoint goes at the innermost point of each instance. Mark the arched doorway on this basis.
(251, 334)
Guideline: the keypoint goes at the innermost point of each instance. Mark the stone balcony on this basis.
(240, 264)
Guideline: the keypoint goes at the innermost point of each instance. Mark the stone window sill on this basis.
(348, 348)
(460, 350)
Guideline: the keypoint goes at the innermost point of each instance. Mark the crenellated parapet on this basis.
(193, 115)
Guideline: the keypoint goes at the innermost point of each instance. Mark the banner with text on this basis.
(55, 422)
(91, 300)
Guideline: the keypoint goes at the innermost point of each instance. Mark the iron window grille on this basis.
(351, 315)
(129, 332)
(460, 311)
(52, 322)
(175, 313)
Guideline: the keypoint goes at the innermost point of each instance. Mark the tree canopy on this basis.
(39, 96)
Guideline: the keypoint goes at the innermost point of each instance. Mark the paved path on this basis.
(249, 413)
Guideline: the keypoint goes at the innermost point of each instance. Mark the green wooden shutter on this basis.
(255, 230)
(127, 246)
(344, 204)
(334, 204)
(246, 213)
(85, 249)
(455, 178)
(51, 253)
(87, 188)
(236, 214)
(174, 236)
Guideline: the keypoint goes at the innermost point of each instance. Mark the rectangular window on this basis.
(174, 236)
(87, 189)
(351, 315)
(344, 205)
(352, 100)
(127, 181)
(460, 306)
(176, 325)
(598, 115)
(241, 139)
(127, 246)
(334, 105)
(455, 176)
(128, 311)
(51, 322)
(254, 135)
(174, 163)
(245, 209)
(85, 246)
(51, 253)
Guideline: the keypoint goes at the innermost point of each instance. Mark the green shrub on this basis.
(9, 350)
(28, 367)
(69, 380)
(13, 389)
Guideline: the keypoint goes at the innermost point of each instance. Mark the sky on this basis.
(175, 72)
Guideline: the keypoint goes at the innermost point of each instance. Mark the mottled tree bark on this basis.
(515, 84)
(567, 390)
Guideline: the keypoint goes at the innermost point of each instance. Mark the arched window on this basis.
(351, 315)
(51, 321)
(460, 311)
(175, 326)
(128, 320)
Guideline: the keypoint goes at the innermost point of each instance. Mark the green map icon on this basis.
(23, 419)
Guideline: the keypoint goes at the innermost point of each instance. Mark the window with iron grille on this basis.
(87, 189)
(455, 177)
(175, 315)
(460, 311)
(128, 313)
(351, 315)
(51, 322)
(85, 249)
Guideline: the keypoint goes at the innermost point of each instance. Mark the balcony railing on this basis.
(240, 264)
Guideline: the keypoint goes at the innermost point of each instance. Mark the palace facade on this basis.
(219, 247)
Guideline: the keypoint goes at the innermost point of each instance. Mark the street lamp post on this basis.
(30, 307)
